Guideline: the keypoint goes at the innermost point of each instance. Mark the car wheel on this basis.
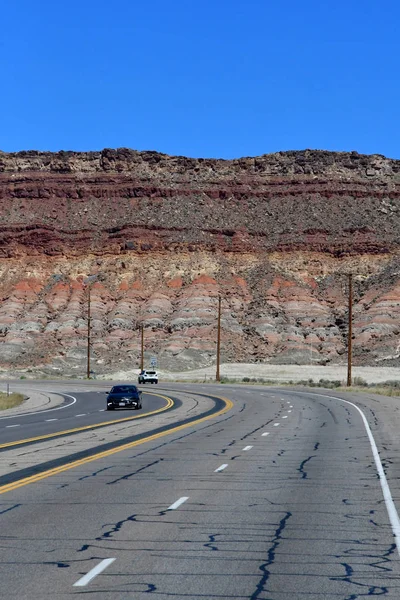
(156, 381)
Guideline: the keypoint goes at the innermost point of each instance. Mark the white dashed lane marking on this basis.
(83, 415)
(285, 417)
(221, 468)
(265, 433)
(247, 448)
(48, 420)
(176, 504)
(8, 426)
(94, 572)
(276, 424)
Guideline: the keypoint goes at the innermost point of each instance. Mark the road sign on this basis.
(153, 361)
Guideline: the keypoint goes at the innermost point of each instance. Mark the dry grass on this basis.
(11, 400)
(380, 391)
(383, 390)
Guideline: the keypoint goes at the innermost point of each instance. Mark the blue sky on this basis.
(216, 78)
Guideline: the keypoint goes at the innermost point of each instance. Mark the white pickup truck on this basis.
(148, 377)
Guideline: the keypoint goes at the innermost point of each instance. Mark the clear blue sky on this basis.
(215, 78)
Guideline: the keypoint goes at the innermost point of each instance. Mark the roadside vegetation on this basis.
(10, 401)
(386, 388)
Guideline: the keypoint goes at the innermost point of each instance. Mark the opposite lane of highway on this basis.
(89, 409)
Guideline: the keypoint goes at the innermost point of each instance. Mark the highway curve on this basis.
(80, 409)
(277, 498)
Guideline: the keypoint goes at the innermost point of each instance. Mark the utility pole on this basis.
(217, 376)
(142, 348)
(88, 335)
(350, 331)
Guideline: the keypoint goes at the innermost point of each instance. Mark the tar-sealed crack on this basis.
(333, 416)
(95, 473)
(264, 568)
(212, 541)
(115, 528)
(301, 467)
(258, 428)
(9, 508)
(215, 432)
(364, 589)
(128, 475)
(195, 405)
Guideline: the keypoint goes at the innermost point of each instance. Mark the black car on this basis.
(124, 396)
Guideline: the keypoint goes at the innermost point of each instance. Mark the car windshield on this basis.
(123, 389)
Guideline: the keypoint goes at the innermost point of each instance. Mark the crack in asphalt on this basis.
(9, 508)
(212, 541)
(258, 429)
(264, 567)
(304, 474)
(115, 528)
(95, 473)
(128, 475)
(370, 590)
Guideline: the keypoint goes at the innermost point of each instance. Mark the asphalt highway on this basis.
(276, 499)
(80, 409)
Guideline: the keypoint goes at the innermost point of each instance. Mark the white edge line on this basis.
(247, 448)
(46, 410)
(221, 468)
(390, 505)
(93, 572)
(178, 503)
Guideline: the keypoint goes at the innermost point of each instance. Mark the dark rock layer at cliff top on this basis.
(118, 200)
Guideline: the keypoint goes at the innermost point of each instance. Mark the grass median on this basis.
(10, 401)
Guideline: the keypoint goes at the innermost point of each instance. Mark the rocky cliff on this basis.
(163, 236)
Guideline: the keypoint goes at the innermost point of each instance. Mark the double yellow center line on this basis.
(48, 436)
(228, 404)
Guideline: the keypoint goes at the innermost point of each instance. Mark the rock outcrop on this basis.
(163, 236)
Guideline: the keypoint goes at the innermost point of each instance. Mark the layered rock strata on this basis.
(164, 236)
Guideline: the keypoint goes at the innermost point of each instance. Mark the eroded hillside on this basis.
(164, 236)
